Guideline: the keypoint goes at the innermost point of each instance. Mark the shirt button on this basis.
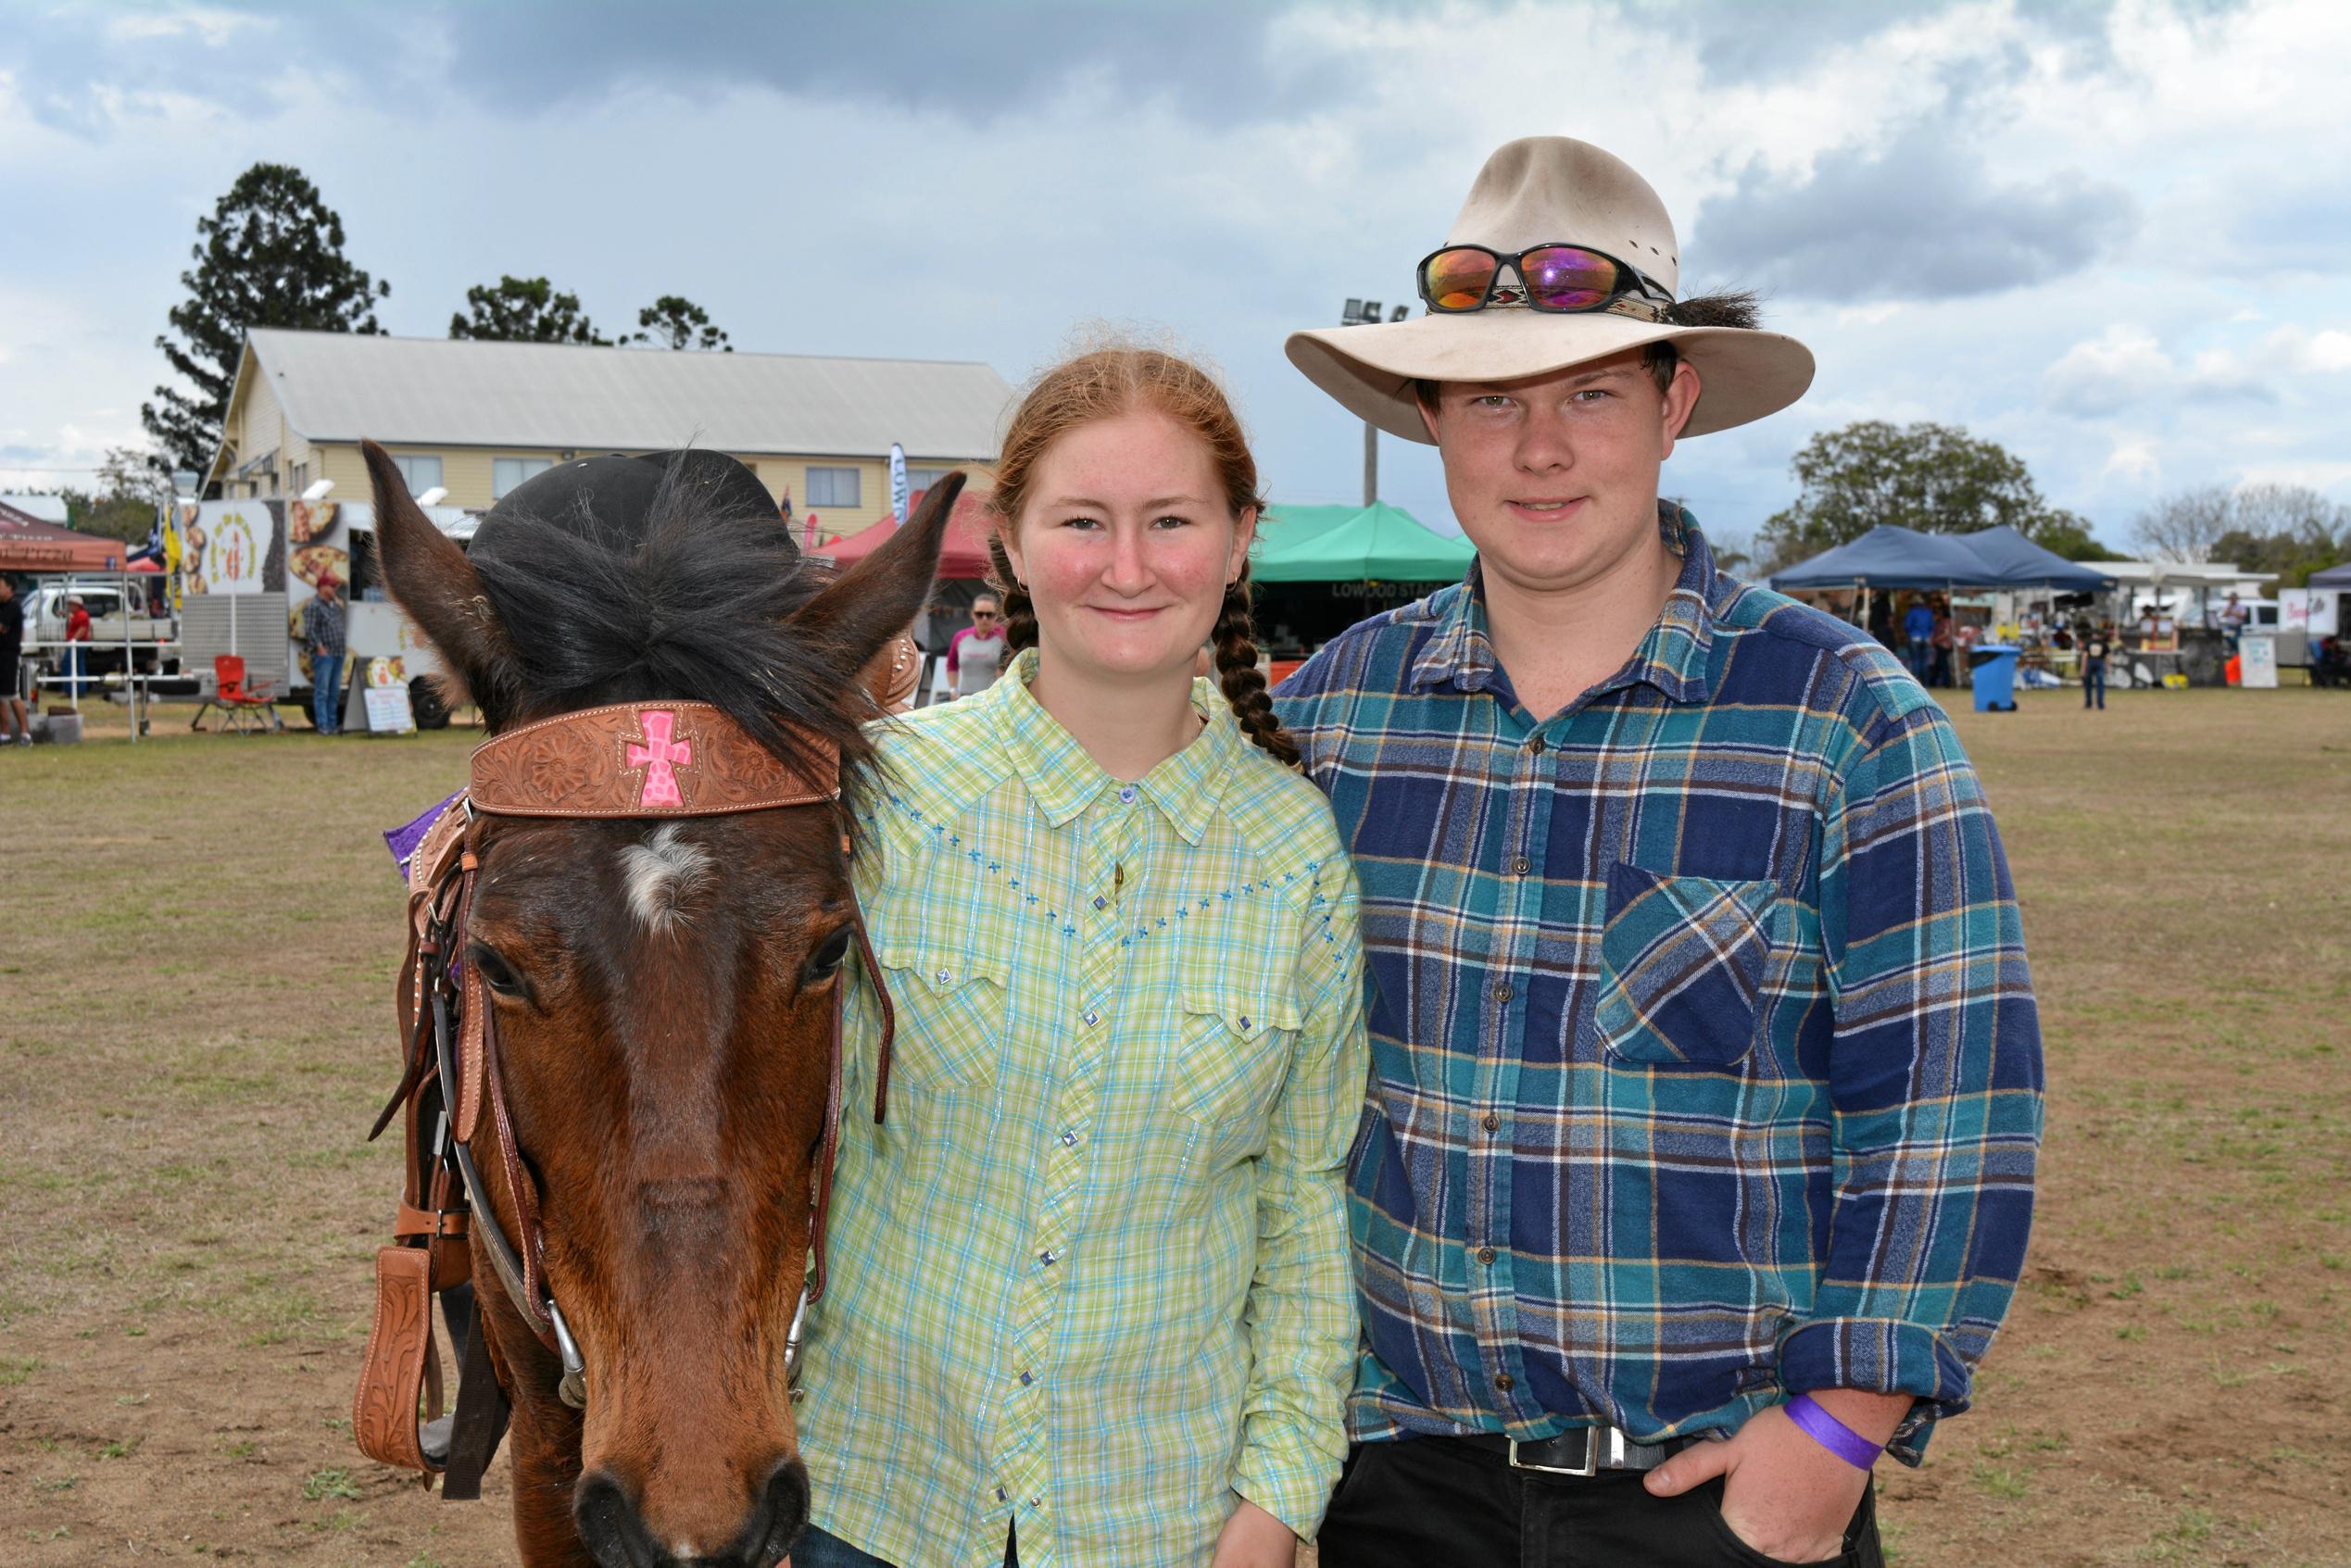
(1069, 1137)
(1126, 795)
(1492, 1122)
(1000, 1494)
(1092, 1017)
(944, 977)
(1504, 1381)
(1101, 903)
(1501, 990)
(1521, 866)
(1027, 1379)
(1536, 746)
(1486, 1256)
(1049, 1257)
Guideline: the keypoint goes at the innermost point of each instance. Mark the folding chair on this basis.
(941, 687)
(245, 709)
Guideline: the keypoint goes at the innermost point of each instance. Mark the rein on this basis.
(642, 760)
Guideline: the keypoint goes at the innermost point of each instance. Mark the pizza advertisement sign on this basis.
(229, 547)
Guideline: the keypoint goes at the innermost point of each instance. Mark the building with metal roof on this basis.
(476, 418)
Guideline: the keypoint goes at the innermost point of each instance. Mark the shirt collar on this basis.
(1064, 780)
(1673, 656)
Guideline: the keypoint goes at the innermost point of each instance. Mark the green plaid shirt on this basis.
(1091, 1277)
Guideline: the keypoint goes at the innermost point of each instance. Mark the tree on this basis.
(270, 255)
(132, 481)
(524, 311)
(2288, 529)
(1935, 478)
(674, 322)
(2066, 534)
(2185, 526)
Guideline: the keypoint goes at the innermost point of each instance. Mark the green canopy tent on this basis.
(1318, 573)
(1378, 543)
(1283, 527)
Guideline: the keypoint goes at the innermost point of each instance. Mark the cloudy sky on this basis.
(2112, 237)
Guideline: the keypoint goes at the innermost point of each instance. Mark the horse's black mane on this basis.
(690, 600)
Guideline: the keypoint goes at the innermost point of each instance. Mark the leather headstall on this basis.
(625, 761)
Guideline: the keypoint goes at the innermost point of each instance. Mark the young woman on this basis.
(1090, 1301)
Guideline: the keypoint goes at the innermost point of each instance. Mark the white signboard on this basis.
(224, 545)
(2326, 611)
(388, 711)
(2259, 656)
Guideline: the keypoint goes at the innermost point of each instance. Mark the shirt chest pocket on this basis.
(949, 1007)
(1228, 1059)
(1682, 965)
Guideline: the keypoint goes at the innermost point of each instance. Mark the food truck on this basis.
(245, 569)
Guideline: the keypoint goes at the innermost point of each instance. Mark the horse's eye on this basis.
(828, 957)
(496, 972)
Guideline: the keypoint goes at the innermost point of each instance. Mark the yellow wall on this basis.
(467, 474)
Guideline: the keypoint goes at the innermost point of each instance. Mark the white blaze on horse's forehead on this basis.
(659, 872)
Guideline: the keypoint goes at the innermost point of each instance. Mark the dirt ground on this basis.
(197, 945)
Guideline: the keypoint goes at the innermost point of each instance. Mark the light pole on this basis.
(1365, 312)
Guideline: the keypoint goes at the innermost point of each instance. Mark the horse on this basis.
(651, 999)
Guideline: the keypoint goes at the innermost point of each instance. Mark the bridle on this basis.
(626, 761)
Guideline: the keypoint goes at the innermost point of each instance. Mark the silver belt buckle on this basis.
(1586, 1471)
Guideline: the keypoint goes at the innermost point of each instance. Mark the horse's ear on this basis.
(431, 579)
(872, 601)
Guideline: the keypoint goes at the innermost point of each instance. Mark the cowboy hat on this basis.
(1543, 190)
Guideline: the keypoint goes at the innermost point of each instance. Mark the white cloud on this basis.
(205, 24)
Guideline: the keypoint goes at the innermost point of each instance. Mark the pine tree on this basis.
(676, 322)
(523, 311)
(270, 255)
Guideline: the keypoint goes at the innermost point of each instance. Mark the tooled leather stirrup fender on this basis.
(394, 1372)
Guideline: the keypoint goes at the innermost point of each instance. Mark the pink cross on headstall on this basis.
(658, 756)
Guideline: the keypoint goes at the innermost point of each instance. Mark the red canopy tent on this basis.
(27, 544)
(963, 555)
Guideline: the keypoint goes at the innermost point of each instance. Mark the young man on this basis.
(1706, 1070)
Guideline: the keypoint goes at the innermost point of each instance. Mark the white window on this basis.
(833, 488)
(507, 473)
(923, 478)
(419, 472)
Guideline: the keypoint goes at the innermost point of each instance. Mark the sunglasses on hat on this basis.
(1563, 280)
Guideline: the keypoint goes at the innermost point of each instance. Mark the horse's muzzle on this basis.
(615, 1532)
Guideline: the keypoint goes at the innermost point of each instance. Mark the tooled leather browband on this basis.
(643, 759)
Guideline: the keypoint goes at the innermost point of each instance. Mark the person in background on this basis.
(2233, 616)
(975, 655)
(1941, 639)
(77, 637)
(1918, 630)
(323, 630)
(2093, 670)
(17, 729)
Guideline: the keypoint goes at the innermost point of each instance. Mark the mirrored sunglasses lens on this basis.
(1568, 278)
(1456, 280)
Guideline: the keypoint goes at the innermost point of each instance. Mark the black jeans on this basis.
(1424, 1501)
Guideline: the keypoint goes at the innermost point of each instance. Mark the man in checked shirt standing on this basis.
(1707, 1082)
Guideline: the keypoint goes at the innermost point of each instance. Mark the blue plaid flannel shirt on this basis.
(1706, 1069)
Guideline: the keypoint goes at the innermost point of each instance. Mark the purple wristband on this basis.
(1831, 1434)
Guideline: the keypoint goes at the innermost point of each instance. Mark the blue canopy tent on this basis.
(2332, 577)
(1891, 556)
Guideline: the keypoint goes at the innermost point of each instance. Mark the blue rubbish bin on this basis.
(1991, 667)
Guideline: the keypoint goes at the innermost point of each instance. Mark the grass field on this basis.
(197, 952)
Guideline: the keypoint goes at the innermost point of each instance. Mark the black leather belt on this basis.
(1581, 1450)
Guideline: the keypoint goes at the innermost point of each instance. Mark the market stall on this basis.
(1890, 567)
(1318, 573)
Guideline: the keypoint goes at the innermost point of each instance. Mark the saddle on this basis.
(653, 760)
